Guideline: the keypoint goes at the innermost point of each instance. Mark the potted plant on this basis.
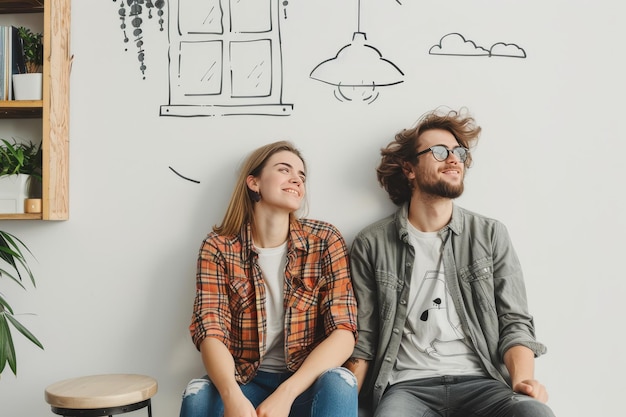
(28, 85)
(13, 265)
(20, 174)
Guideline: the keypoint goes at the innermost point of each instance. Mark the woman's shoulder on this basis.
(317, 227)
(215, 239)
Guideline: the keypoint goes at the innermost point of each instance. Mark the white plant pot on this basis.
(27, 86)
(13, 192)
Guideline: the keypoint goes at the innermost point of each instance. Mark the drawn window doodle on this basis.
(225, 59)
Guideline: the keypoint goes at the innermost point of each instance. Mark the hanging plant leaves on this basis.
(133, 10)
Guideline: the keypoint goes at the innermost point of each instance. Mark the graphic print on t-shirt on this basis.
(433, 340)
(434, 323)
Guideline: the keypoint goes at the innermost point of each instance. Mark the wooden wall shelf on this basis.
(21, 109)
(52, 110)
(21, 6)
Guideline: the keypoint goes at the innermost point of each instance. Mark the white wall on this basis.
(115, 282)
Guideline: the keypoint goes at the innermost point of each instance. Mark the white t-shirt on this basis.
(433, 341)
(272, 262)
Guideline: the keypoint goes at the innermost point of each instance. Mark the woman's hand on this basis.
(276, 405)
(239, 406)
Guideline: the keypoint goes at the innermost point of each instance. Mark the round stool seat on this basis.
(103, 394)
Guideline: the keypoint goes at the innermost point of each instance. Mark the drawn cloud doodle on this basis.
(455, 44)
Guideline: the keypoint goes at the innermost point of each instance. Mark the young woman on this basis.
(274, 315)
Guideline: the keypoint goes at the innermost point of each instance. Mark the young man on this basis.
(444, 327)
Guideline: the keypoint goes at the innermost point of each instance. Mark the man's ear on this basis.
(407, 168)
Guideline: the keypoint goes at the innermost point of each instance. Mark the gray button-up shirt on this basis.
(483, 275)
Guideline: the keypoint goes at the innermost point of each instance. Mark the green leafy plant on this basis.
(13, 265)
(32, 48)
(20, 158)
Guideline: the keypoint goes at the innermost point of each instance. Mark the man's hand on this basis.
(532, 388)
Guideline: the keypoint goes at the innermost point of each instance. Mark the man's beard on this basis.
(441, 189)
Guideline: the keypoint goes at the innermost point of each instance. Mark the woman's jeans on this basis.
(333, 394)
(460, 396)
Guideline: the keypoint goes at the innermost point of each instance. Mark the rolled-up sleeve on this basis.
(339, 302)
(211, 314)
(516, 325)
(365, 289)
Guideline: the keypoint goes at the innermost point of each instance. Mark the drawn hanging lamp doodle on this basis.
(358, 69)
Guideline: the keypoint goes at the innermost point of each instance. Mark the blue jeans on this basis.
(461, 396)
(334, 394)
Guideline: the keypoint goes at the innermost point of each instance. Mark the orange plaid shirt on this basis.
(230, 294)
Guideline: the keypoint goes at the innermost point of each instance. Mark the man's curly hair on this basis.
(403, 149)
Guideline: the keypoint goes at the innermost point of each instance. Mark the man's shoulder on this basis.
(469, 215)
(468, 218)
(380, 226)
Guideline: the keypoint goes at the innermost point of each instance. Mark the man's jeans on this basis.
(461, 396)
(334, 394)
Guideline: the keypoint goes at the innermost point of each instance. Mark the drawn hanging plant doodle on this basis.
(133, 10)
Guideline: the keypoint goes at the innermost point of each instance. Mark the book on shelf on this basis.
(11, 60)
(3, 64)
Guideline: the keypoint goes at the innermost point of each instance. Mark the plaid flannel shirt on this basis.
(230, 294)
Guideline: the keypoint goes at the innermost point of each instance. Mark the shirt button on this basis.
(387, 359)
(396, 331)
(403, 302)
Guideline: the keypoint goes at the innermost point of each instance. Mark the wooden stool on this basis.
(101, 395)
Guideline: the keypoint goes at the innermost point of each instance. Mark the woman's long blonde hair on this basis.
(241, 207)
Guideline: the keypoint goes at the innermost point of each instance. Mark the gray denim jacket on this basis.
(483, 275)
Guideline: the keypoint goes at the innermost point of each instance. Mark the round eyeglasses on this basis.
(441, 152)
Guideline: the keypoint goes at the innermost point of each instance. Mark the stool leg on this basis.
(150, 407)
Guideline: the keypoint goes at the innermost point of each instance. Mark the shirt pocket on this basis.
(241, 297)
(302, 298)
(389, 290)
(303, 320)
(479, 277)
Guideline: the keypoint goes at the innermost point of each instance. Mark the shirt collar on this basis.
(246, 241)
(456, 223)
(297, 239)
(402, 216)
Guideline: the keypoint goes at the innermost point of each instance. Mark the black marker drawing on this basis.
(182, 176)
(134, 14)
(358, 69)
(438, 331)
(455, 44)
(437, 306)
(285, 4)
(225, 59)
